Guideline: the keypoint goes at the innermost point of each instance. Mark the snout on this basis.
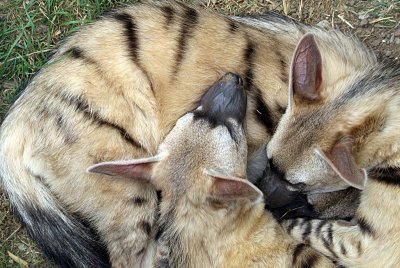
(224, 100)
(282, 198)
(277, 190)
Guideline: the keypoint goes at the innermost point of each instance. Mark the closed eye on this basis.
(275, 169)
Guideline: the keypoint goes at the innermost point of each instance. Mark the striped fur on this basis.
(114, 90)
(330, 138)
(199, 227)
(370, 239)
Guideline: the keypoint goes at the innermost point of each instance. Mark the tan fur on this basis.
(115, 89)
(339, 204)
(198, 228)
(345, 133)
(351, 245)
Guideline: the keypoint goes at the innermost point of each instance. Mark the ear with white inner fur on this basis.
(341, 160)
(306, 71)
(228, 188)
(138, 168)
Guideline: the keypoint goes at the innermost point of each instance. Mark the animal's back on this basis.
(112, 91)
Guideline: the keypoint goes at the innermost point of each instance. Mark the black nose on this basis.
(225, 99)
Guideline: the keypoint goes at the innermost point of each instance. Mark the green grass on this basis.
(30, 30)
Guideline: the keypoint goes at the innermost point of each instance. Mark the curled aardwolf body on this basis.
(114, 90)
(331, 138)
(209, 215)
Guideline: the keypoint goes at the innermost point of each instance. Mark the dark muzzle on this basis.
(225, 99)
(283, 199)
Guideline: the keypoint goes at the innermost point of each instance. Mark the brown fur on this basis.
(337, 138)
(113, 91)
(201, 223)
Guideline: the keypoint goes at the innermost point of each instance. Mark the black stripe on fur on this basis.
(189, 22)
(169, 14)
(365, 227)
(389, 176)
(82, 105)
(130, 33)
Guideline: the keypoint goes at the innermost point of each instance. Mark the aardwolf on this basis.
(209, 215)
(330, 138)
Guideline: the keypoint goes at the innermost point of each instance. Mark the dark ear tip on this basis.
(92, 169)
(309, 38)
(308, 35)
(100, 169)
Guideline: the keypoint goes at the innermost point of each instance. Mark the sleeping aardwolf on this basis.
(330, 138)
(114, 90)
(209, 215)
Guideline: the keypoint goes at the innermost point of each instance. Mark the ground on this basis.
(31, 29)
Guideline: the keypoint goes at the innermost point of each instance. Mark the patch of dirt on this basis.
(374, 22)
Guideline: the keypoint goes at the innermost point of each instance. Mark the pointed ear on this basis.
(137, 168)
(341, 160)
(306, 71)
(228, 188)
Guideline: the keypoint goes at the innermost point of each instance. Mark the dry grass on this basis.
(14, 240)
(31, 29)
